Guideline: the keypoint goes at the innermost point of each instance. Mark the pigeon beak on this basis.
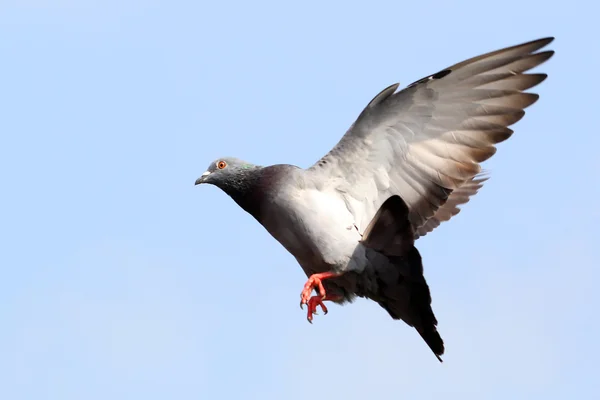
(202, 178)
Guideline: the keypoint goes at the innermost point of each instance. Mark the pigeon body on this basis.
(314, 225)
(405, 165)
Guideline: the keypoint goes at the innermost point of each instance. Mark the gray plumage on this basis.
(407, 163)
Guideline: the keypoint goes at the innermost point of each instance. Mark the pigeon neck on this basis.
(247, 191)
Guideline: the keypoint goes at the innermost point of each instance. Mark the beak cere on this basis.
(202, 178)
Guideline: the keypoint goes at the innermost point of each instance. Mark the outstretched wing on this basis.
(427, 140)
(449, 209)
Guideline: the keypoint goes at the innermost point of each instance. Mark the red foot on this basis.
(315, 282)
(315, 301)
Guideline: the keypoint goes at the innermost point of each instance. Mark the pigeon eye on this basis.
(221, 164)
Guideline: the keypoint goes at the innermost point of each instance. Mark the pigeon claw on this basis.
(313, 302)
(315, 282)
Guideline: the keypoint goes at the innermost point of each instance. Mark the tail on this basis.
(400, 287)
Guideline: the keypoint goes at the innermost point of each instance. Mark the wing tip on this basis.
(537, 43)
(547, 40)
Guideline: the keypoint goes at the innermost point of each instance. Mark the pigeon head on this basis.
(225, 172)
(238, 178)
(230, 174)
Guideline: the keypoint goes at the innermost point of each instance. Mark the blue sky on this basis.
(122, 280)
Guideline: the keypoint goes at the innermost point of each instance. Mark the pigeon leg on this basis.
(314, 282)
(315, 301)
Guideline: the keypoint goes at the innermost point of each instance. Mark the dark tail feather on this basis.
(405, 295)
(420, 305)
(401, 287)
(434, 341)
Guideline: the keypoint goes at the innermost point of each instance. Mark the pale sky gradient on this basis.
(121, 280)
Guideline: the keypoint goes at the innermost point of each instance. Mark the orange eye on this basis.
(221, 164)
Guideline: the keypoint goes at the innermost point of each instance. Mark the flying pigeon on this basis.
(405, 165)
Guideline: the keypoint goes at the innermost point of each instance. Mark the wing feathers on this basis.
(520, 49)
(425, 142)
(521, 64)
(509, 98)
(450, 208)
(509, 82)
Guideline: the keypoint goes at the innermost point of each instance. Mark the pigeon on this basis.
(406, 164)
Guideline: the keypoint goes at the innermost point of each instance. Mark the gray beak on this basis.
(202, 178)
